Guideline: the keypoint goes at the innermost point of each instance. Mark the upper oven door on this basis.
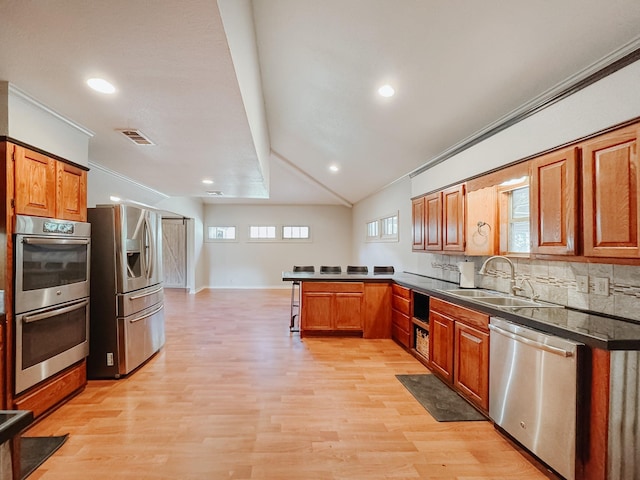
(50, 270)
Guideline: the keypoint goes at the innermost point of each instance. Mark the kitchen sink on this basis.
(499, 299)
(514, 302)
(474, 293)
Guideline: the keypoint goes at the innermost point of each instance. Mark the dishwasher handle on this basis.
(527, 341)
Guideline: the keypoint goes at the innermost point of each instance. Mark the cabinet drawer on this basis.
(461, 314)
(400, 320)
(401, 304)
(401, 291)
(336, 287)
(400, 336)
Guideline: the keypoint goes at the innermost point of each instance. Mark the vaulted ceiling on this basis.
(263, 96)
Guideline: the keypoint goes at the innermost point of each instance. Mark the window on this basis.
(384, 229)
(262, 232)
(518, 222)
(221, 233)
(372, 230)
(390, 226)
(298, 232)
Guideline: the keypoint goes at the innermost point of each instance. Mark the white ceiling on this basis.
(264, 111)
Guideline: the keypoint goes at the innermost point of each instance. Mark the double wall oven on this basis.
(51, 297)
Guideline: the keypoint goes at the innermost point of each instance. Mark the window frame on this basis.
(295, 239)
(504, 207)
(263, 239)
(207, 238)
(381, 236)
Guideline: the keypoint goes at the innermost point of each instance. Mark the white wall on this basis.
(244, 264)
(394, 198)
(27, 120)
(612, 100)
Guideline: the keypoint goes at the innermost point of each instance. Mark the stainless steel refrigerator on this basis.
(127, 306)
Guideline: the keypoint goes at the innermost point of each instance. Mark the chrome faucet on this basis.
(534, 296)
(514, 287)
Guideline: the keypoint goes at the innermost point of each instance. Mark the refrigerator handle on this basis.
(150, 258)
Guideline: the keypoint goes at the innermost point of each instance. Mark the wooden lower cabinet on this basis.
(441, 336)
(471, 364)
(331, 307)
(401, 315)
(376, 321)
(459, 349)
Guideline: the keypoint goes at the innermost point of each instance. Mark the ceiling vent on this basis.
(214, 193)
(137, 137)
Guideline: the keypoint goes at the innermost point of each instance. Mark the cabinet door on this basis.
(400, 328)
(348, 311)
(471, 365)
(554, 203)
(481, 218)
(316, 311)
(441, 330)
(433, 221)
(453, 219)
(610, 194)
(35, 183)
(418, 223)
(71, 195)
(376, 320)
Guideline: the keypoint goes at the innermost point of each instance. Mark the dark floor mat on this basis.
(35, 450)
(441, 402)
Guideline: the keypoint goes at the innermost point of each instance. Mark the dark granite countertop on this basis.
(595, 330)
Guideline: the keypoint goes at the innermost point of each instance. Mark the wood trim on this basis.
(596, 437)
(52, 392)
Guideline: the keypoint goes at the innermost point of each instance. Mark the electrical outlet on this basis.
(109, 359)
(582, 282)
(601, 286)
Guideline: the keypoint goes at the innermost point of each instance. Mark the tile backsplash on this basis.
(612, 289)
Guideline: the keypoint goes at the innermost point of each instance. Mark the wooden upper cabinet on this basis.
(71, 194)
(35, 183)
(433, 221)
(481, 218)
(453, 219)
(418, 223)
(554, 203)
(610, 194)
(45, 187)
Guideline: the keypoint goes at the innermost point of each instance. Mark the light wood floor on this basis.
(234, 395)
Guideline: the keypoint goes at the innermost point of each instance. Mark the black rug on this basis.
(441, 402)
(35, 450)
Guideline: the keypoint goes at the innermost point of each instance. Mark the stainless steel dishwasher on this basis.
(533, 391)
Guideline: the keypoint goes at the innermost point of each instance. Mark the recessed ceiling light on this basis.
(206, 181)
(113, 198)
(334, 168)
(386, 91)
(101, 85)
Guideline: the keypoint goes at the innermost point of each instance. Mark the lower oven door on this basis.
(49, 340)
